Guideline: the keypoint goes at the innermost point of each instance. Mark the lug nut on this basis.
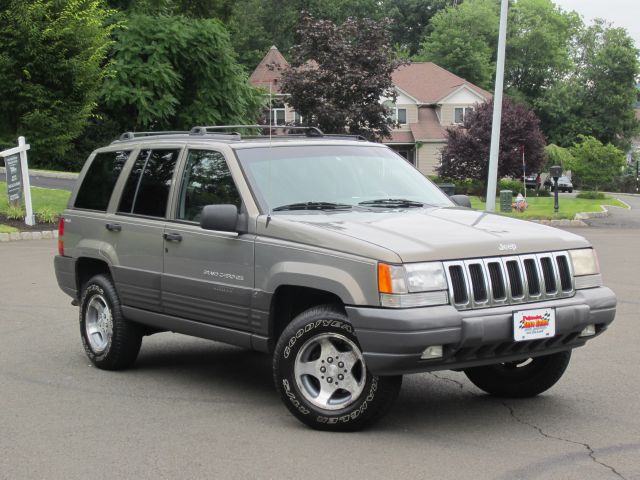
(323, 369)
(340, 377)
(329, 379)
(340, 364)
(330, 360)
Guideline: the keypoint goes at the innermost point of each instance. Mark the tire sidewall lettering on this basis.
(300, 404)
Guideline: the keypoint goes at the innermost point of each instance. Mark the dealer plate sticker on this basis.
(534, 324)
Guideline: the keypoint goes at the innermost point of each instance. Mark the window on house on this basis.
(297, 118)
(460, 113)
(398, 115)
(278, 116)
(401, 116)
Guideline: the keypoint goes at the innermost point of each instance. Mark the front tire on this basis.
(525, 378)
(320, 373)
(109, 340)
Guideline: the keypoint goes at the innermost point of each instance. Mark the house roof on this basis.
(268, 72)
(428, 126)
(400, 137)
(429, 83)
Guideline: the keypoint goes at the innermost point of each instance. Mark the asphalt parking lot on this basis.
(197, 409)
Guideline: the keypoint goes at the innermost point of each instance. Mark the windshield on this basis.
(343, 175)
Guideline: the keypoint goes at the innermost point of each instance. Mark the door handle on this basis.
(113, 227)
(172, 237)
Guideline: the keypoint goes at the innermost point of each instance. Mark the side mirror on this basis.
(222, 218)
(461, 200)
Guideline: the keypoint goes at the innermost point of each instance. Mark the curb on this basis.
(562, 223)
(45, 174)
(18, 236)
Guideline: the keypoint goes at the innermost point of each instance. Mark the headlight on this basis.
(584, 262)
(412, 285)
(586, 269)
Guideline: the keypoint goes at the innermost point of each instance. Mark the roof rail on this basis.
(132, 135)
(194, 131)
(307, 131)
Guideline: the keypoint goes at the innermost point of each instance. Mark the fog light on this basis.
(434, 351)
(589, 331)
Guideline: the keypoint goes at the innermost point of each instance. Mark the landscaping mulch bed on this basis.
(20, 225)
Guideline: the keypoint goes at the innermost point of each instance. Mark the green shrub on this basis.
(592, 195)
(470, 187)
(515, 186)
(15, 212)
(47, 215)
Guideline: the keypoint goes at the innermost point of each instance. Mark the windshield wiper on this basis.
(392, 202)
(313, 206)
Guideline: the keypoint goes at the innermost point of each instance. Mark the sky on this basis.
(622, 13)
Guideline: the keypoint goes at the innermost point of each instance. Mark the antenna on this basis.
(270, 154)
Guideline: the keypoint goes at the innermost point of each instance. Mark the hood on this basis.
(421, 234)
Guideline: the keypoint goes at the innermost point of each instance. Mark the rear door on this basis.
(208, 275)
(137, 227)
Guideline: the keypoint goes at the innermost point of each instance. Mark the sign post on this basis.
(15, 160)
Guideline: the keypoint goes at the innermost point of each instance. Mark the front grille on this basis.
(488, 282)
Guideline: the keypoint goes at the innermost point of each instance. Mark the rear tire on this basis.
(525, 378)
(319, 371)
(110, 341)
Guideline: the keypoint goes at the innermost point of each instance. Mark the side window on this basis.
(206, 181)
(98, 183)
(147, 189)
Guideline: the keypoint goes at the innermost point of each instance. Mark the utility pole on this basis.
(492, 181)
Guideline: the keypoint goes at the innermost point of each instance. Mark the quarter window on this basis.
(206, 181)
(147, 189)
(98, 183)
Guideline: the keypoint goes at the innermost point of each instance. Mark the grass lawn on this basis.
(7, 229)
(542, 207)
(42, 198)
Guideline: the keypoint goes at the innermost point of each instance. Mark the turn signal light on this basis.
(60, 236)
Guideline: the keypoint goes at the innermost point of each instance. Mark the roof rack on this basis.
(194, 131)
(214, 131)
(307, 131)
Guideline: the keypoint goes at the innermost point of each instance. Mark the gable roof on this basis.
(269, 70)
(430, 83)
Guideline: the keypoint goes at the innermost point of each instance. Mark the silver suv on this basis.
(333, 254)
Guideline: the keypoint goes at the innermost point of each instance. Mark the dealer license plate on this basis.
(534, 324)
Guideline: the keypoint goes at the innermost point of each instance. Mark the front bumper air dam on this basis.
(393, 339)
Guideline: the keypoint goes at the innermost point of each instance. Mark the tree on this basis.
(597, 98)
(538, 47)
(172, 72)
(556, 155)
(339, 73)
(463, 40)
(52, 56)
(466, 154)
(595, 164)
(411, 21)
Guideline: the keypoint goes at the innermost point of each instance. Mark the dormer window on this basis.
(460, 113)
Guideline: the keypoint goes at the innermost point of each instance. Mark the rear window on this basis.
(98, 183)
(147, 189)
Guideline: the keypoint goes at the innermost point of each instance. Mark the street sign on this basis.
(14, 178)
(21, 171)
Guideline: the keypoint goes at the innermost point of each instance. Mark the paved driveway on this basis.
(197, 409)
(620, 217)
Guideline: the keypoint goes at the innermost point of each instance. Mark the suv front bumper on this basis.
(393, 340)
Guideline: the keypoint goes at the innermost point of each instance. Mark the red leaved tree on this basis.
(466, 154)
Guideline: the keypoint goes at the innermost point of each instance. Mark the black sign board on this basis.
(14, 177)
